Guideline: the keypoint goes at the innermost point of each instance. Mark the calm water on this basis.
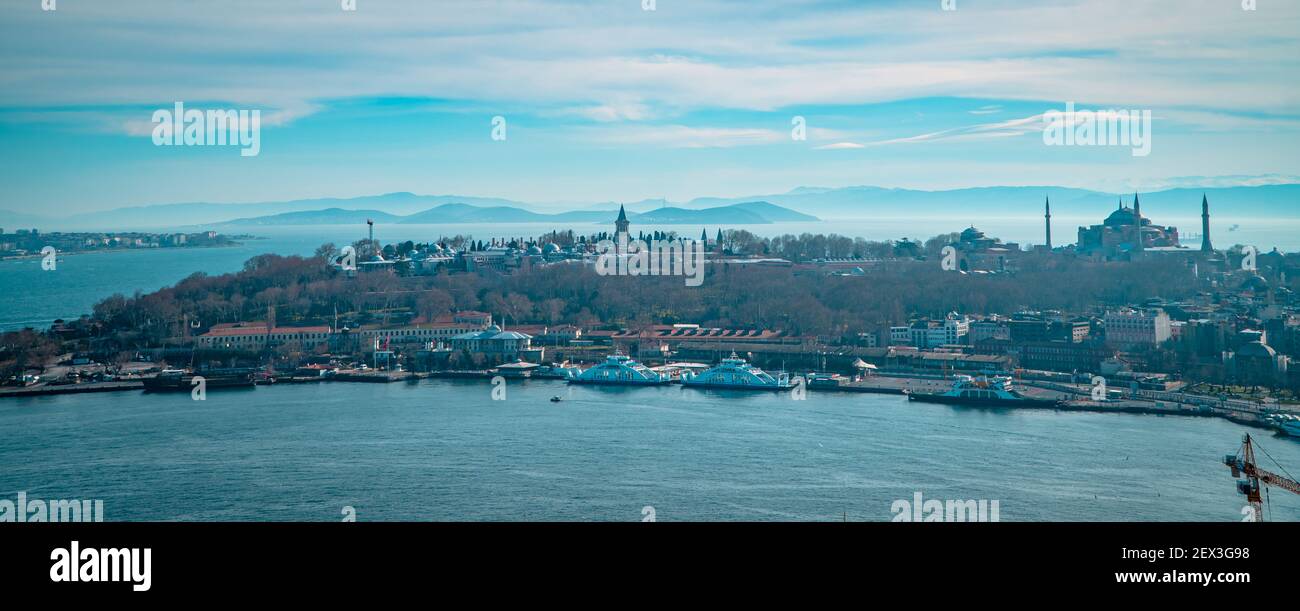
(32, 297)
(443, 450)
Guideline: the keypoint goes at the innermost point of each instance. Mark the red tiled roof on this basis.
(236, 330)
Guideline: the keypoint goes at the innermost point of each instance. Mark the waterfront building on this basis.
(1128, 329)
(930, 334)
(1254, 362)
(443, 329)
(497, 345)
(257, 336)
(654, 339)
(1064, 356)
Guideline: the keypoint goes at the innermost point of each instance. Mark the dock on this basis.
(41, 390)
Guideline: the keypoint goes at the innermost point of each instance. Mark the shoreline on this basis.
(61, 254)
(1153, 408)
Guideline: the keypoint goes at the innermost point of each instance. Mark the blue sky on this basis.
(606, 101)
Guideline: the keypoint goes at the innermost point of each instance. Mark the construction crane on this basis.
(1243, 463)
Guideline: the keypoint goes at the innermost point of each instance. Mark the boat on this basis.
(736, 373)
(1288, 424)
(556, 399)
(561, 371)
(826, 381)
(178, 380)
(984, 391)
(620, 370)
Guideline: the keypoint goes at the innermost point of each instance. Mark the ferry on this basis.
(620, 370)
(1288, 424)
(736, 373)
(991, 391)
(178, 380)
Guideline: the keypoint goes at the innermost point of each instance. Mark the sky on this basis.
(604, 100)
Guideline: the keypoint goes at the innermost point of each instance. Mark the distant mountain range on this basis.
(746, 213)
(847, 203)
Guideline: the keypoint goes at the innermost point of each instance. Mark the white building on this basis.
(1128, 329)
(930, 334)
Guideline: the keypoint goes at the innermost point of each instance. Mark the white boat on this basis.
(990, 391)
(1286, 423)
(735, 372)
(620, 370)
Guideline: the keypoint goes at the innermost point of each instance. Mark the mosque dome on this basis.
(1256, 349)
(1255, 283)
(1122, 216)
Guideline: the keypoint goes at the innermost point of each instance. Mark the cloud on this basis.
(679, 136)
(1000, 129)
(839, 146)
(612, 61)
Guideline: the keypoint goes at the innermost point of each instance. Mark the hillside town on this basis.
(1136, 307)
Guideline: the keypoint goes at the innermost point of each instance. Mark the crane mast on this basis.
(1243, 463)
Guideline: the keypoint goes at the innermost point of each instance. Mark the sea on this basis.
(445, 450)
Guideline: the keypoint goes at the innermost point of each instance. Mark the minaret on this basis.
(1137, 220)
(1048, 205)
(1205, 225)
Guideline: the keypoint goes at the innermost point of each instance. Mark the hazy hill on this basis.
(329, 216)
(459, 213)
(862, 202)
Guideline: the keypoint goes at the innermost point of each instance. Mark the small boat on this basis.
(826, 381)
(736, 373)
(620, 370)
(990, 391)
(556, 399)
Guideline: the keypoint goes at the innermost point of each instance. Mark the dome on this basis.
(1123, 216)
(971, 234)
(551, 248)
(1255, 283)
(534, 250)
(1256, 350)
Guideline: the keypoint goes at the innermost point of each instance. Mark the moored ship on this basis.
(1287, 424)
(621, 370)
(992, 391)
(178, 380)
(736, 373)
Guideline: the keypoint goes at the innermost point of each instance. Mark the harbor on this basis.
(444, 449)
(731, 374)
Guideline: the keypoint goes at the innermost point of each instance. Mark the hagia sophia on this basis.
(1125, 235)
